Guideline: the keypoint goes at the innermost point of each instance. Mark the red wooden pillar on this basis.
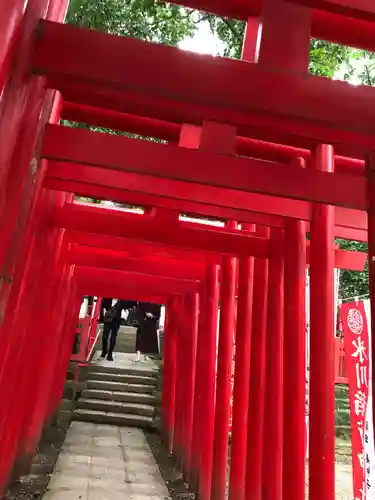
(191, 319)
(65, 351)
(241, 376)
(207, 344)
(37, 386)
(179, 387)
(272, 466)
(254, 456)
(169, 375)
(52, 342)
(223, 380)
(186, 374)
(196, 450)
(294, 358)
(19, 361)
(322, 407)
(166, 389)
(370, 174)
(286, 48)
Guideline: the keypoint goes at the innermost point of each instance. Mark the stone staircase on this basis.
(342, 421)
(121, 392)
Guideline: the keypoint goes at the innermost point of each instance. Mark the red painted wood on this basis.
(290, 132)
(223, 379)
(135, 249)
(115, 223)
(192, 198)
(147, 200)
(370, 174)
(177, 449)
(114, 260)
(325, 102)
(204, 167)
(321, 415)
(90, 278)
(363, 9)
(294, 370)
(272, 463)
(254, 454)
(242, 376)
(191, 315)
(325, 25)
(170, 131)
(207, 370)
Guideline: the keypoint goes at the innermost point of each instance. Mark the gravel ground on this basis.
(179, 490)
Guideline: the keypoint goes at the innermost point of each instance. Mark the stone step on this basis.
(107, 385)
(342, 404)
(120, 419)
(342, 418)
(123, 377)
(344, 449)
(115, 407)
(343, 431)
(137, 370)
(130, 397)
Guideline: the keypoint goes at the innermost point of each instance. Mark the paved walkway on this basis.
(102, 462)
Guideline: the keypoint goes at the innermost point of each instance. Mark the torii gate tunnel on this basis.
(258, 143)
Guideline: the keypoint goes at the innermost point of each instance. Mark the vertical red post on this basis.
(169, 374)
(196, 449)
(272, 467)
(322, 391)
(165, 396)
(65, 351)
(179, 387)
(219, 138)
(223, 380)
(294, 357)
(288, 49)
(207, 344)
(51, 355)
(191, 319)
(250, 47)
(370, 174)
(254, 455)
(242, 376)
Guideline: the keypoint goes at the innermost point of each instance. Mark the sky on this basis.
(203, 42)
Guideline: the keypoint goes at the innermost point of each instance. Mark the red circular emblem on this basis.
(355, 321)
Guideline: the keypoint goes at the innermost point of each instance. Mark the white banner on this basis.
(368, 448)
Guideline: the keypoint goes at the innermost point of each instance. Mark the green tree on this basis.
(144, 19)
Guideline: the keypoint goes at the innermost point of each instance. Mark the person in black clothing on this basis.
(105, 307)
(147, 338)
(112, 322)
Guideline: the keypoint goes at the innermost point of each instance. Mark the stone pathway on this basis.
(344, 482)
(103, 462)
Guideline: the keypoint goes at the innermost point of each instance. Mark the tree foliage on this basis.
(165, 23)
(144, 19)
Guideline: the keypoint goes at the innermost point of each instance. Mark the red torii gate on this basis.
(306, 114)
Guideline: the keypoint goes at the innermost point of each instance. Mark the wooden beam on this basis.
(180, 235)
(120, 280)
(203, 167)
(65, 53)
(169, 131)
(109, 259)
(228, 204)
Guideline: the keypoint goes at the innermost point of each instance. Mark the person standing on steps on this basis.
(111, 326)
(147, 336)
